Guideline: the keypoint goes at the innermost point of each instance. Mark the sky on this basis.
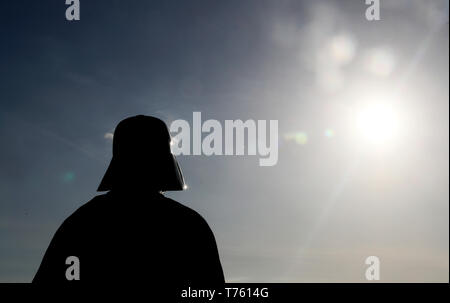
(362, 107)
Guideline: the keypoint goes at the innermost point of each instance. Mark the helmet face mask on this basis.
(142, 158)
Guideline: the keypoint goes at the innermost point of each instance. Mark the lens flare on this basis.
(68, 177)
(329, 133)
(301, 138)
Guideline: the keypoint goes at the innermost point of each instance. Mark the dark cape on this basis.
(137, 238)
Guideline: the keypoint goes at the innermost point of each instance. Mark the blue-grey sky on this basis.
(334, 198)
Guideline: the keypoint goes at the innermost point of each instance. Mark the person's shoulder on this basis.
(192, 222)
(87, 210)
(185, 211)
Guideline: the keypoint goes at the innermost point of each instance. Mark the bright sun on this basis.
(378, 123)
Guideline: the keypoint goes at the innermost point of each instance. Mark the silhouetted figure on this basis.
(134, 234)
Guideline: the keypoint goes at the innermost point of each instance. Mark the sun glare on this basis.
(378, 123)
